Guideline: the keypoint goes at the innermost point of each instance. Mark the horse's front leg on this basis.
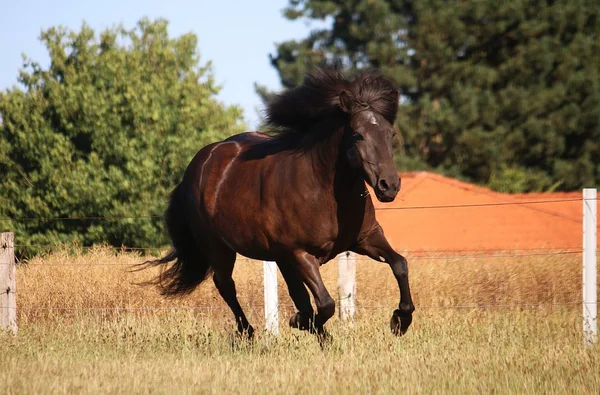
(377, 247)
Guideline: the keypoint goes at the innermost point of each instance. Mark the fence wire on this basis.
(471, 254)
(119, 217)
(290, 306)
(442, 257)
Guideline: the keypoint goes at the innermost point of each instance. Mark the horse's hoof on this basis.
(238, 338)
(245, 334)
(295, 321)
(248, 334)
(301, 321)
(324, 338)
(400, 322)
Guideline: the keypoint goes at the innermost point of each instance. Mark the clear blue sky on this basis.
(236, 36)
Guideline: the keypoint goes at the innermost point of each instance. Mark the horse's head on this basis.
(368, 146)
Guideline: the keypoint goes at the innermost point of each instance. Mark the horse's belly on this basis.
(270, 233)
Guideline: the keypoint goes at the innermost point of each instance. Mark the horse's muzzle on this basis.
(387, 188)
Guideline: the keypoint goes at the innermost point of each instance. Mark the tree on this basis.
(500, 93)
(105, 131)
(370, 33)
(510, 90)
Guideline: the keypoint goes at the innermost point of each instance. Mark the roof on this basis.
(476, 218)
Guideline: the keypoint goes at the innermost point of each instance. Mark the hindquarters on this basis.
(197, 243)
(189, 263)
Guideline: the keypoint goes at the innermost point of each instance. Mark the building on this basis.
(433, 213)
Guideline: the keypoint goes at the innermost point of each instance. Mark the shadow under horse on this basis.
(297, 198)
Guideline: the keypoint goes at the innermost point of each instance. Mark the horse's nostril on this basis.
(383, 185)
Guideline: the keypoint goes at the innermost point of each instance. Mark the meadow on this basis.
(491, 323)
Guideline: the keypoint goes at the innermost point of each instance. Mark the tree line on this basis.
(504, 94)
(105, 131)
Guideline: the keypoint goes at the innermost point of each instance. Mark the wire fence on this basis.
(469, 253)
(289, 306)
(438, 255)
(441, 257)
(453, 206)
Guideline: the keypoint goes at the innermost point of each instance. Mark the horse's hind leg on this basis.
(222, 277)
(304, 317)
(308, 268)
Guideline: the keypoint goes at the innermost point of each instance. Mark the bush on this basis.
(105, 131)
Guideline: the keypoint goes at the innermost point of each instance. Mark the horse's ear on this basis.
(346, 101)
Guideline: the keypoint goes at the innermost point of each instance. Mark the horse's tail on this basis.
(189, 267)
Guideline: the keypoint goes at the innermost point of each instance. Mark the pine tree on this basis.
(369, 33)
(509, 91)
(503, 93)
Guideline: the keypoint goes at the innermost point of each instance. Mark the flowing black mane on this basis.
(294, 110)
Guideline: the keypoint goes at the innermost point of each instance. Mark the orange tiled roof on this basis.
(556, 225)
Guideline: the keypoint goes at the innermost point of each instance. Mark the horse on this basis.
(296, 196)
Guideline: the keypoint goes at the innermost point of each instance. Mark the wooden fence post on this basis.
(8, 296)
(271, 298)
(347, 285)
(590, 271)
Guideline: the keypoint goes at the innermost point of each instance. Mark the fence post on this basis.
(8, 300)
(590, 296)
(347, 285)
(271, 299)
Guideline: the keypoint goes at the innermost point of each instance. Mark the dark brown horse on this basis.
(298, 198)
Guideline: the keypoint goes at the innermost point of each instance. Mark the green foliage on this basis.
(106, 130)
(367, 33)
(517, 179)
(496, 92)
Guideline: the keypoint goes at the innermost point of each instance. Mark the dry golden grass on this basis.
(448, 351)
(102, 278)
(85, 327)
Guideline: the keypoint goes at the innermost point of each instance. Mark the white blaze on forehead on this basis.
(372, 119)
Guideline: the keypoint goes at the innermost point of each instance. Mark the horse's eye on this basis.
(393, 133)
(357, 136)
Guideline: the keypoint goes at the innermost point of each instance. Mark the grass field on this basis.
(486, 324)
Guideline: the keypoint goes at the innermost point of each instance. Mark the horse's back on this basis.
(249, 192)
(249, 137)
(227, 188)
(263, 200)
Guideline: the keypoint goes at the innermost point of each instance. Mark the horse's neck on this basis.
(330, 165)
